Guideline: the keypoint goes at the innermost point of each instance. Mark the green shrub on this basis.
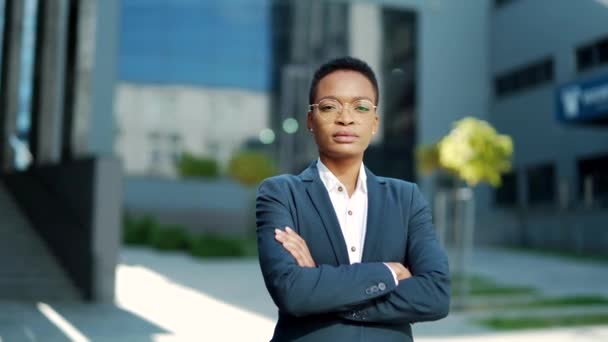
(169, 238)
(190, 165)
(251, 167)
(138, 231)
(147, 231)
(212, 245)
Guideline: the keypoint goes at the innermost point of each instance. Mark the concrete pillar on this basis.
(93, 130)
(106, 223)
(9, 86)
(48, 113)
(365, 42)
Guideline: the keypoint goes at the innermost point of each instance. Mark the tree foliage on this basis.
(251, 167)
(191, 166)
(473, 151)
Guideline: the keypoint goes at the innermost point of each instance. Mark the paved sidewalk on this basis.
(552, 276)
(174, 297)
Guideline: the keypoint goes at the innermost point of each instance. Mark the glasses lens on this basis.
(362, 106)
(329, 106)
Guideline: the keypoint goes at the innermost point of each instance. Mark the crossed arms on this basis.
(300, 287)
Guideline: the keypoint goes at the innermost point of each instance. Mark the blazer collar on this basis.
(311, 173)
(319, 197)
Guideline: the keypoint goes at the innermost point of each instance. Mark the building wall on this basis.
(453, 61)
(529, 116)
(62, 109)
(452, 67)
(462, 47)
(156, 123)
(365, 42)
(193, 77)
(199, 206)
(523, 32)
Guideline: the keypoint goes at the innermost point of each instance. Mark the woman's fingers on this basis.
(296, 246)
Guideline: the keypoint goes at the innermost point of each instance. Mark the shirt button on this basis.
(350, 212)
(340, 189)
(353, 249)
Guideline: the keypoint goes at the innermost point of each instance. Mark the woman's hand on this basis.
(296, 246)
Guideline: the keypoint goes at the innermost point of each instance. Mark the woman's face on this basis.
(346, 133)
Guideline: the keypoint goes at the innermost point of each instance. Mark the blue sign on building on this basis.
(583, 102)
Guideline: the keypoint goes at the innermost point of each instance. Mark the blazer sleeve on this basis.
(300, 291)
(426, 295)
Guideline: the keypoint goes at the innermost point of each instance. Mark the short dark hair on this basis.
(342, 63)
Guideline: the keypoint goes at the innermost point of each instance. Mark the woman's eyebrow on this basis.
(354, 98)
(362, 98)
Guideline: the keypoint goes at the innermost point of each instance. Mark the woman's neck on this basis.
(346, 170)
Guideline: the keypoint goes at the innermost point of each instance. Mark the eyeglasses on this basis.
(330, 108)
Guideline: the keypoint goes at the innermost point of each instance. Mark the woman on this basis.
(347, 255)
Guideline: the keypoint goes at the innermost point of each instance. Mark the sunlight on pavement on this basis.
(188, 314)
(61, 323)
(582, 334)
(184, 311)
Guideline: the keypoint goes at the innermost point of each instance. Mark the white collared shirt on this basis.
(351, 211)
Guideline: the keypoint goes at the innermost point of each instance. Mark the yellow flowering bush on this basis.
(473, 151)
(427, 158)
(476, 152)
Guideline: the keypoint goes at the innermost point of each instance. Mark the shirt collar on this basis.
(332, 182)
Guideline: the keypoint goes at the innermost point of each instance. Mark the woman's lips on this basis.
(345, 137)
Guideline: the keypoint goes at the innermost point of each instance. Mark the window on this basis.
(602, 51)
(165, 151)
(524, 77)
(175, 147)
(506, 194)
(500, 3)
(593, 178)
(592, 55)
(541, 184)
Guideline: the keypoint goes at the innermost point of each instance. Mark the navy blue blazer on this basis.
(337, 301)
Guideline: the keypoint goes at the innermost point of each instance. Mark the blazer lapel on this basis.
(320, 199)
(376, 198)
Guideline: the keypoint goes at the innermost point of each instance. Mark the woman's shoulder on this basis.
(398, 183)
(279, 181)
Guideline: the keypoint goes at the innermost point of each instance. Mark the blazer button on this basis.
(374, 288)
(368, 291)
(382, 286)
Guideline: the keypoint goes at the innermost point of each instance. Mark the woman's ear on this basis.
(375, 125)
(309, 121)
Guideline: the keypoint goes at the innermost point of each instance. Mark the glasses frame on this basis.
(312, 106)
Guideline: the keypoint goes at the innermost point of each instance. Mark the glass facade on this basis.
(201, 43)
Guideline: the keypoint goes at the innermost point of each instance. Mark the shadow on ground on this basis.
(24, 321)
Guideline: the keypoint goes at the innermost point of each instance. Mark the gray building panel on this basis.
(529, 115)
(526, 30)
(523, 33)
